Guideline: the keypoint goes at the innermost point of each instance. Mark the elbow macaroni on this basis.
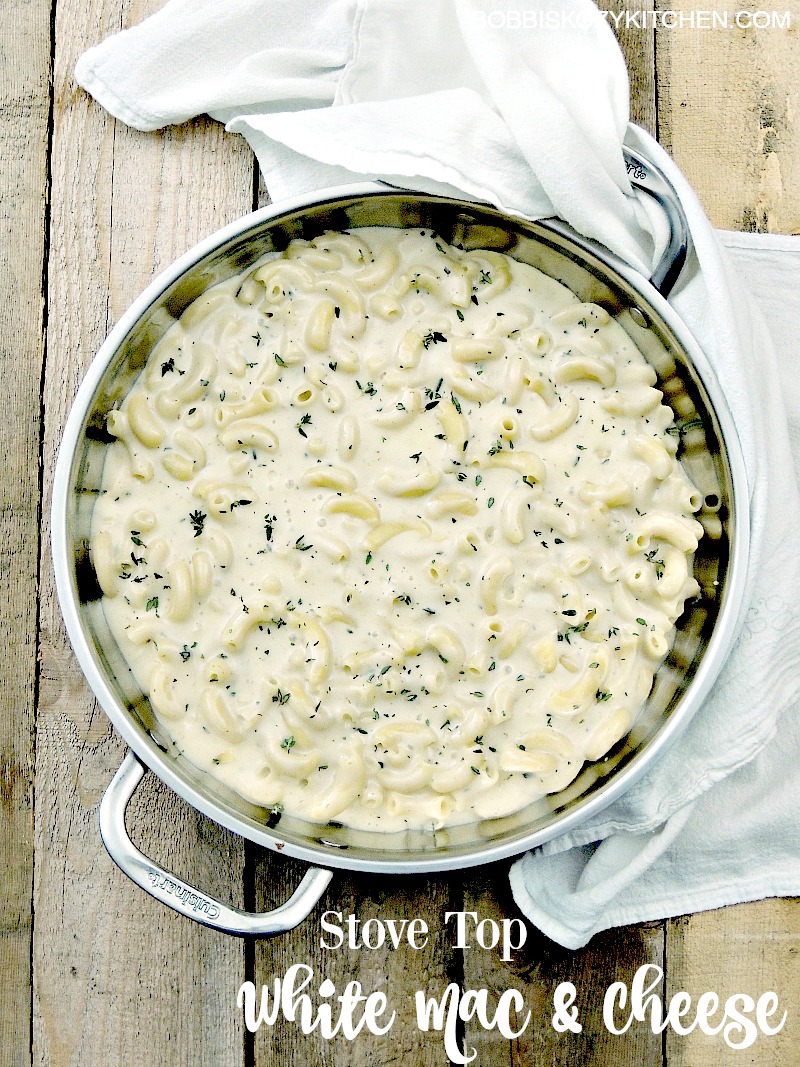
(393, 533)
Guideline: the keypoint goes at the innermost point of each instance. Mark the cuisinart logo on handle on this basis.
(188, 897)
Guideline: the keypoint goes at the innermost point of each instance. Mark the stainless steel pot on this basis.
(709, 447)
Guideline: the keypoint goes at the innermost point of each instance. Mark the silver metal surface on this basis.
(179, 895)
(709, 450)
(645, 175)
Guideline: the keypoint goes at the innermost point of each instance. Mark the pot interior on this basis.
(689, 667)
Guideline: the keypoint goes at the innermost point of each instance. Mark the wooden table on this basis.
(93, 971)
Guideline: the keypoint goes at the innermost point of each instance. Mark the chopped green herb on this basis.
(572, 630)
(432, 337)
(197, 518)
(657, 563)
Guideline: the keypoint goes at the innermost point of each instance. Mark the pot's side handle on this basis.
(179, 895)
(645, 175)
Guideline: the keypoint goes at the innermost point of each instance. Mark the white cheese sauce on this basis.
(393, 533)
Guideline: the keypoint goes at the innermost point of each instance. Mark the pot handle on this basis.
(179, 895)
(645, 175)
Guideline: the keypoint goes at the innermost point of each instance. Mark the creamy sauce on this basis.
(394, 533)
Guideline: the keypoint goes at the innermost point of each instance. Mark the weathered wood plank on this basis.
(119, 978)
(537, 969)
(398, 973)
(729, 112)
(749, 948)
(728, 106)
(24, 107)
(637, 42)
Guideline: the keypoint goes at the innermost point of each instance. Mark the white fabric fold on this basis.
(224, 57)
(532, 100)
(435, 95)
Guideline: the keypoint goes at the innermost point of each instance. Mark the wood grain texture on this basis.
(729, 112)
(119, 978)
(751, 949)
(398, 973)
(638, 44)
(24, 109)
(538, 968)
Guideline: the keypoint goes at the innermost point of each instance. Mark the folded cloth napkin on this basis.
(467, 97)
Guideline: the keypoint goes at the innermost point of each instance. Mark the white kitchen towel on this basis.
(427, 94)
(462, 96)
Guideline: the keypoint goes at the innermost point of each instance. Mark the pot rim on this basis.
(724, 632)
